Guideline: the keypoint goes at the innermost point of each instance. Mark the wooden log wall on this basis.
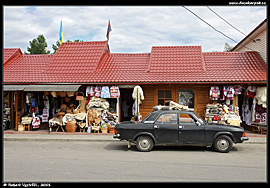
(201, 93)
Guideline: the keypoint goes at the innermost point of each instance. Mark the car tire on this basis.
(144, 143)
(223, 144)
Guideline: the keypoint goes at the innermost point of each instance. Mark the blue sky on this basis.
(135, 29)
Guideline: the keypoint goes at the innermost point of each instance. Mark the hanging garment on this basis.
(33, 102)
(90, 90)
(223, 93)
(137, 95)
(35, 121)
(251, 91)
(45, 112)
(105, 92)
(214, 93)
(97, 91)
(114, 92)
(261, 96)
(230, 93)
(237, 89)
(87, 92)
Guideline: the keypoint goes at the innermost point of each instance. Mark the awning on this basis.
(41, 87)
(14, 87)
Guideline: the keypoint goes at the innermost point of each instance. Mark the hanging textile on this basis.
(35, 121)
(105, 92)
(137, 95)
(114, 92)
(214, 93)
(261, 96)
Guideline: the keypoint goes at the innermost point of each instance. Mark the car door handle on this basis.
(156, 126)
(180, 126)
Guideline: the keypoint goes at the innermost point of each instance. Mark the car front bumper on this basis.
(116, 136)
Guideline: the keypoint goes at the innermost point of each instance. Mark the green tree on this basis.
(38, 46)
(55, 46)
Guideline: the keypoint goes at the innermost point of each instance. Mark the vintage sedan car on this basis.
(179, 127)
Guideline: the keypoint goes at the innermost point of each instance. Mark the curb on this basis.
(59, 140)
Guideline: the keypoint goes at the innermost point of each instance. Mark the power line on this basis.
(210, 25)
(216, 29)
(226, 21)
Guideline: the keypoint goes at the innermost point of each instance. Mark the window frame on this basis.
(175, 113)
(164, 89)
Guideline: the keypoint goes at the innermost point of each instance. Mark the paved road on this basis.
(112, 161)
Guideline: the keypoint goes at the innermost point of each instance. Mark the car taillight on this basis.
(244, 134)
(115, 131)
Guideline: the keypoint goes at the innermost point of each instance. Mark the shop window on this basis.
(164, 97)
(167, 119)
(186, 97)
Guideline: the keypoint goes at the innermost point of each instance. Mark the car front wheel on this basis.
(223, 144)
(144, 143)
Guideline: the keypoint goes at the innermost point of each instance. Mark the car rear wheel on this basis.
(223, 144)
(144, 143)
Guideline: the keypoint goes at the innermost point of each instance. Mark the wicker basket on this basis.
(111, 129)
(104, 130)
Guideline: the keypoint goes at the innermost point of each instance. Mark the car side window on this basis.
(167, 119)
(186, 119)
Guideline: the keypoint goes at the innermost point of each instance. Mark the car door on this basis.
(190, 132)
(166, 128)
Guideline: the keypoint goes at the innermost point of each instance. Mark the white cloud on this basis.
(134, 29)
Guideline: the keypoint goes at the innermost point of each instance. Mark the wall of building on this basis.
(259, 46)
(201, 98)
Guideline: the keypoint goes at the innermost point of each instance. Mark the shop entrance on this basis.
(126, 102)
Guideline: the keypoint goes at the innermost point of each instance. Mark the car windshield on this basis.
(146, 117)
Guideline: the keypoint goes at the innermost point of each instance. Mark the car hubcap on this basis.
(144, 143)
(223, 144)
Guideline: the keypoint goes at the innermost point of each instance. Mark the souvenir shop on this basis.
(238, 105)
(92, 109)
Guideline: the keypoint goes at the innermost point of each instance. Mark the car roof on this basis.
(173, 111)
(155, 114)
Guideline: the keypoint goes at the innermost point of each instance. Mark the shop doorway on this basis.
(126, 102)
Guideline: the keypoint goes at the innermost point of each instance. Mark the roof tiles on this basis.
(74, 57)
(91, 62)
(176, 58)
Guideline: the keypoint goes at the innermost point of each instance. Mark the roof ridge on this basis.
(85, 42)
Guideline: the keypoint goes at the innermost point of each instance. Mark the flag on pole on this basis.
(109, 30)
(61, 38)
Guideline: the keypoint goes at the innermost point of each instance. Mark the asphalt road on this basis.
(26, 161)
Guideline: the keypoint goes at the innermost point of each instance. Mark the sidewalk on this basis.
(92, 137)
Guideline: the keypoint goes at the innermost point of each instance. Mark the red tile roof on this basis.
(175, 59)
(27, 69)
(91, 62)
(10, 53)
(77, 57)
